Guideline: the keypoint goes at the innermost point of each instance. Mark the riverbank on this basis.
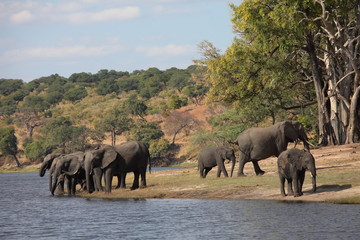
(338, 181)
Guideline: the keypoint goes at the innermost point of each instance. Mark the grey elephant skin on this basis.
(46, 165)
(259, 143)
(210, 157)
(110, 161)
(69, 167)
(292, 165)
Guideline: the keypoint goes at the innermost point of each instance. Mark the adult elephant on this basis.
(292, 165)
(256, 144)
(70, 167)
(132, 156)
(211, 157)
(46, 165)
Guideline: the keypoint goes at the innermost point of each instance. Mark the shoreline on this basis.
(338, 181)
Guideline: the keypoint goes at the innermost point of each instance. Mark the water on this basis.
(27, 210)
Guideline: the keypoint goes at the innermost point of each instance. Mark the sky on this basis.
(43, 37)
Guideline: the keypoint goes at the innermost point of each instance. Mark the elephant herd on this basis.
(254, 144)
(88, 168)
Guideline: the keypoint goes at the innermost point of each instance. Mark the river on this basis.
(28, 211)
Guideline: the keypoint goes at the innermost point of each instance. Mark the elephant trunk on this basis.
(53, 187)
(233, 160)
(43, 168)
(89, 179)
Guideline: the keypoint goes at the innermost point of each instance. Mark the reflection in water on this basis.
(29, 211)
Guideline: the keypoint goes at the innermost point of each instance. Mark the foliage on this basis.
(144, 131)
(59, 133)
(35, 150)
(116, 121)
(158, 147)
(135, 106)
(107, 86)
(8, 143)
(75, 94)
(8, 86)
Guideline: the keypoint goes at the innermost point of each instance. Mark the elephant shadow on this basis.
(330, 188)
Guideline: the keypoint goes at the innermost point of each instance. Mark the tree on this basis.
(32, 113)
(107, 86)
(146, 132)
(8, 86)
(135, 106)
(8, 143)
(76, 93)
(60, 133)
(177, 122)
(116, 121)
(290, 54)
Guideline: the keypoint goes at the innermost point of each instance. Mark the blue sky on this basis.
(42, 37)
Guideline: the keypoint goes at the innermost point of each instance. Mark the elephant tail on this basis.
(149, 161)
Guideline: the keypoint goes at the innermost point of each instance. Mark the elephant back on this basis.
(133, 154)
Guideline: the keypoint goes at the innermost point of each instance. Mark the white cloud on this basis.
(170, 49)
(105, 15)
(21, 17)
(59, 52)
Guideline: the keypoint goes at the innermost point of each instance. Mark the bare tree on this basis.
(177, 122)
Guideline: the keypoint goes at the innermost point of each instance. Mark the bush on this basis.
(157, 147)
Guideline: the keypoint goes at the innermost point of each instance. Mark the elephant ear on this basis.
(110, 156)
(290, 132)
(74, 166)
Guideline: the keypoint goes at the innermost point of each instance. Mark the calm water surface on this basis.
(28, 211)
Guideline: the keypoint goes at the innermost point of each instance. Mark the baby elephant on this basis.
(292, 165)
(210, 157)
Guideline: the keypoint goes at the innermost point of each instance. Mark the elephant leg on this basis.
(202, 169)
(257, 169)
(290, 188)
(296, 186)
(136, 181)
(242, 160)
(301, 182)
(108, 180)
(143, 179)
(123, 180)
(221, 168)
(97, 179)
(207, 170)
(119, 181)
(282, 187)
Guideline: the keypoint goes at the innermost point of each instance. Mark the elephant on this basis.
(132, 156)
(292, 165)
(46, 165)
(209, 157)
(257, 143)
(70, 167)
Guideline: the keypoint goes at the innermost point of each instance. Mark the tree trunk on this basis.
(353, 119)
(325, 129)
(17, 161)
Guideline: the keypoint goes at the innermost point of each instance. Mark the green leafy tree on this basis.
(135, 106)
(60, 133)
(35, 149)
(116, 121)
(8, 143)
(8, 86)
(75, 94)
(7, 106)
(107, 86)
(145, 132)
